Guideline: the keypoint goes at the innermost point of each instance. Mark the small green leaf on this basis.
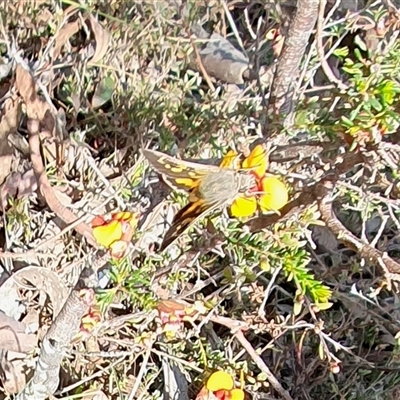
(324, 306)
(321, 351)
(360, 43)
(358, 54)
(347, 122)
(297, 308)
(103, 92)
(375, 104)
(261, 377)
(341, 52)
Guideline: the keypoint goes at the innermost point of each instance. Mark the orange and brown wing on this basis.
(184, 219)
(181, 174)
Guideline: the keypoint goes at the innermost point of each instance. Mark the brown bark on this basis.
(281, 98)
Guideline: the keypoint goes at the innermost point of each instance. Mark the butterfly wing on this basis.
(184, 175)
(187, 176)
(184, 219)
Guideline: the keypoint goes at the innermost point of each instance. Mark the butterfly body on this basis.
(209, 187)
(217, 185)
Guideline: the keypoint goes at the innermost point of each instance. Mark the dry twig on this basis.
(66, 325)
(320, 49)
(237, 327)
(45, 188)
(390, 267)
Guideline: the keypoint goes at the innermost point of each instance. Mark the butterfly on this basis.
(209, 187)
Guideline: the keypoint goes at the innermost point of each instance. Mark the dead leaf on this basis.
(36, 107)
(102, 38)
(15, 372)
(5, 69)
(54, 146)
(387, 339)
(5, 159)
(9, 189)
(373, 224)
(62, 196)
(28, 183)
(10, 300)
(63, 35)
(350, 5)
(176, 385)
(44, 16)
(8, 124)
(61, 122)
(50, 241)
(103, 92)
(31, 320)
(46, 280)
(154, 224)
(98, 395)
(26, 86)
(49, 146)
(18, 185)
(20, 143)
(76, 101)
(13, 335)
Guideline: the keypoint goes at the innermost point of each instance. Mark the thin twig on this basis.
(237, 328)
(263, 367)
(390, 267)
(141, 373)
(261, 309)
(320, 49)
(27, 254)
(106, 183)
(47, 191)
(92, 377)
(378, 235)
(233, 25)
(200, 63)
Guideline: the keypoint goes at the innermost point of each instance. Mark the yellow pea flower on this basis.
(221, 385)
(268, 194)
(116, 232)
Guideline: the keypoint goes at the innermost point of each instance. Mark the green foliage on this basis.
(373, 96)
(283, 249)
(18, 219)
(368, 109)
(144, 93)
(127, 284)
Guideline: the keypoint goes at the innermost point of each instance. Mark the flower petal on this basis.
(134, 219)
(122, 216)
(108, 233)
(98, 220)
(126, 216)
(256, 161)
(230, 160)
(237, 394)
(222, 395)
(127, 232)
(244, 206)
(275, 194)
(128, 222)
(219, 380)
(118, 248)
